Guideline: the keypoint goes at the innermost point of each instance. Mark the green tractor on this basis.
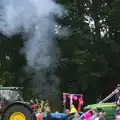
(12, 106)
(108, 108)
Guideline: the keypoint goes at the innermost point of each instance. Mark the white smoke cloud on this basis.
(34, 18)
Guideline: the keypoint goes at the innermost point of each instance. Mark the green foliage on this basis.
(77, 59)
(11, 61)
(6, 79)
(89, 56)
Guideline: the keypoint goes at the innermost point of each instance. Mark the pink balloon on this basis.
(75, 98)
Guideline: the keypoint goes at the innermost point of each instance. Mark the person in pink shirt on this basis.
(87, 116)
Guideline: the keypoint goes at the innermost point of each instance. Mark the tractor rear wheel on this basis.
(18, 112)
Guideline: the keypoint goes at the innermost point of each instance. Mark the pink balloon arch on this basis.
(73, 97)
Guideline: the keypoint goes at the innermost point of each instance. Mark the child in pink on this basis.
(87, 116)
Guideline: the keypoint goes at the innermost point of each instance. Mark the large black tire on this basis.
(28, 113)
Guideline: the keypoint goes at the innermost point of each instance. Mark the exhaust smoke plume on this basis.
(34, 18)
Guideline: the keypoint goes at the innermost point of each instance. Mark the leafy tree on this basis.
(6, 79)
(11, 60)
(89, 56)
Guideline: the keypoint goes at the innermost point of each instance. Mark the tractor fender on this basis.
(18, 103)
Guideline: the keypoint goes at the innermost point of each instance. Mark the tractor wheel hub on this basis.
(17, 116)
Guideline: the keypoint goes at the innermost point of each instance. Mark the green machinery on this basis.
(12, 106)
(109, 108)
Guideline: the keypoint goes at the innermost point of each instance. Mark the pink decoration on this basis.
(81, 101)
(87, 116)
(34, 106)
(71, 100)
(67, 111)
(64, 98)
(75, 98)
